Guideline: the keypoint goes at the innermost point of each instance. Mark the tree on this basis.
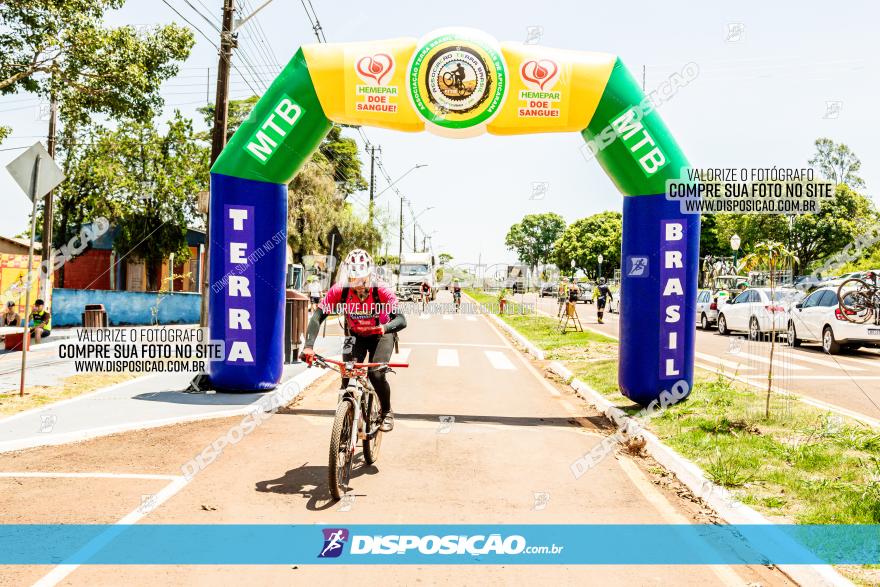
(532, 239)
(62, 49)
(444, 258)
(585, 239)
(774, 256)
(144, 181)
(837, 163)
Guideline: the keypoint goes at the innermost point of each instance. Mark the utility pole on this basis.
(372, 149)
(415, 245)
(218, 134)
(400, 239)
(644, 68)
(48, 205)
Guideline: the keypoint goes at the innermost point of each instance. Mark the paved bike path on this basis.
(481, 439)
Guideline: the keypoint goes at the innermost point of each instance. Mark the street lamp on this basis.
(407, 172)
(734, 244)
(600, 258)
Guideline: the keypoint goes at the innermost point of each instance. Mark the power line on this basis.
(213, 44)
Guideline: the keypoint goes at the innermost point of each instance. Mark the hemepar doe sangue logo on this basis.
(457, 82)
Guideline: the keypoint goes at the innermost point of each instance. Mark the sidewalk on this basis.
(146, 402)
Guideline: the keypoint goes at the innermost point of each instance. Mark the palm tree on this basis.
(773, 255)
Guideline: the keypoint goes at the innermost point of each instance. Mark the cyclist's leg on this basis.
(381, 351)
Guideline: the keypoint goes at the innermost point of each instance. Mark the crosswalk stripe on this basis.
(776, 362)
(402, 356)
(499, 360)
(424, 316)
(824, 363)
(447, 358)
(447, 316)
(717, 361)
(470, 318)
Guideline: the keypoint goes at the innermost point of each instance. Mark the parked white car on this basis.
(708, 302)
(755, 311)
(818, 319)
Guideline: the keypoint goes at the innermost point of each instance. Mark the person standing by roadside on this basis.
(314, 289)
(11, 317)
(562, 294)
(601, 295)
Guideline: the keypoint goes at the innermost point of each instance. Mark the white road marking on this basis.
(499, 360)
(470, 318)
(799, 356)
(776, 362)
(447, 316)
(447, 358)
(89, 475)
(717, 361)
(828, 377)
(402, 356)
(424, 316)
(467, 344)
(525, 362)
(61, 571)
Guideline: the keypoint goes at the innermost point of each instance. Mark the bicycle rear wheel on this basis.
(341, 451)
(856, 300)
(372, 421)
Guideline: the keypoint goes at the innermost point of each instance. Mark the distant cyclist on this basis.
(456, 294)
(371, 317)
(425, 292)
(602, 295)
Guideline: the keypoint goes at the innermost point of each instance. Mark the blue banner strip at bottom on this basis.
(439, 544)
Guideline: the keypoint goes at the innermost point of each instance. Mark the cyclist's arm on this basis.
(396, 323)
(318, 317)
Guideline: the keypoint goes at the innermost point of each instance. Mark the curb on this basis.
(303, 380)
(718, 498)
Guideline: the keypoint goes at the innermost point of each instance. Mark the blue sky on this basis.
(760, 99)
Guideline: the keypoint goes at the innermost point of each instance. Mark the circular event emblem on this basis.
(457, 81)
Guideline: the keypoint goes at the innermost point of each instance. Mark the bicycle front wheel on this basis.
(341, 451)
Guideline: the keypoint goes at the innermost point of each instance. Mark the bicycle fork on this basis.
(352, 442)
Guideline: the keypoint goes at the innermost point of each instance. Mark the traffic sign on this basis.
(48, 173)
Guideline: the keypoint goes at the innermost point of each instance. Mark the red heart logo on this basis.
(540, 72)
(375, 67)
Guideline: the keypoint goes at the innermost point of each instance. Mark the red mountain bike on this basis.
(358, 417)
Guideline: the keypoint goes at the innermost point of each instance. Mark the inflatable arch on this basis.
(454, 83)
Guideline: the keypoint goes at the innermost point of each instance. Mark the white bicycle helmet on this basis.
(358, 264)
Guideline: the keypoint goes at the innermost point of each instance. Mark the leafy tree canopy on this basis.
(63, 48)
(532, 238)
(585, 239)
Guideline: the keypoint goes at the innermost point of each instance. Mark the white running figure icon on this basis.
(335, 542)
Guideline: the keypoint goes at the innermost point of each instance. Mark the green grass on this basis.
(800, 465)
(545, 332)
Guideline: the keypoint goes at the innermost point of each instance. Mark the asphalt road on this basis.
(481, 437)
(850, 381)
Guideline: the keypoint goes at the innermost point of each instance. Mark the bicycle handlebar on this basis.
(345, 366)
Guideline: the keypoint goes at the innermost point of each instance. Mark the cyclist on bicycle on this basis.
(371, 317)
(425, 291)
(456, 294)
